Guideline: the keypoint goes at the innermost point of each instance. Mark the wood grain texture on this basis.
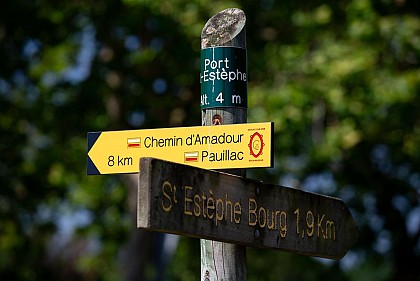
(208, 204)
(221, 261)
(226, 28)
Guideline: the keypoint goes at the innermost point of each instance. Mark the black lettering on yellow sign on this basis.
(150, 142)
(225, 155)
(218, 139)
(119, 161)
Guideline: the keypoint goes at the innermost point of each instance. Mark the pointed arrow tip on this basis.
(351, 233)
(91, 168)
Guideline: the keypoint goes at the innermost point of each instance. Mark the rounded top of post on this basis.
(222, 28)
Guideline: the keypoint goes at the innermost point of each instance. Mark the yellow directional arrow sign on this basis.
(211, 147)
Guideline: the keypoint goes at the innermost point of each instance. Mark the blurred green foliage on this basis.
(340, 79)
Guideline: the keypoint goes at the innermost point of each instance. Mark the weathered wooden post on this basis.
(224, 101)
(182, 195)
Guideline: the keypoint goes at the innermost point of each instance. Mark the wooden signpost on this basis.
(227, 210)
(224, 100)
(190, 201)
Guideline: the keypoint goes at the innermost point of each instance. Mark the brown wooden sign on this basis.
(190, 201)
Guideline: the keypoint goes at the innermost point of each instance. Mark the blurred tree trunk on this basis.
(138, 253)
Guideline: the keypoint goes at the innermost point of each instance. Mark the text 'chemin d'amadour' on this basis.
(229, 146)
